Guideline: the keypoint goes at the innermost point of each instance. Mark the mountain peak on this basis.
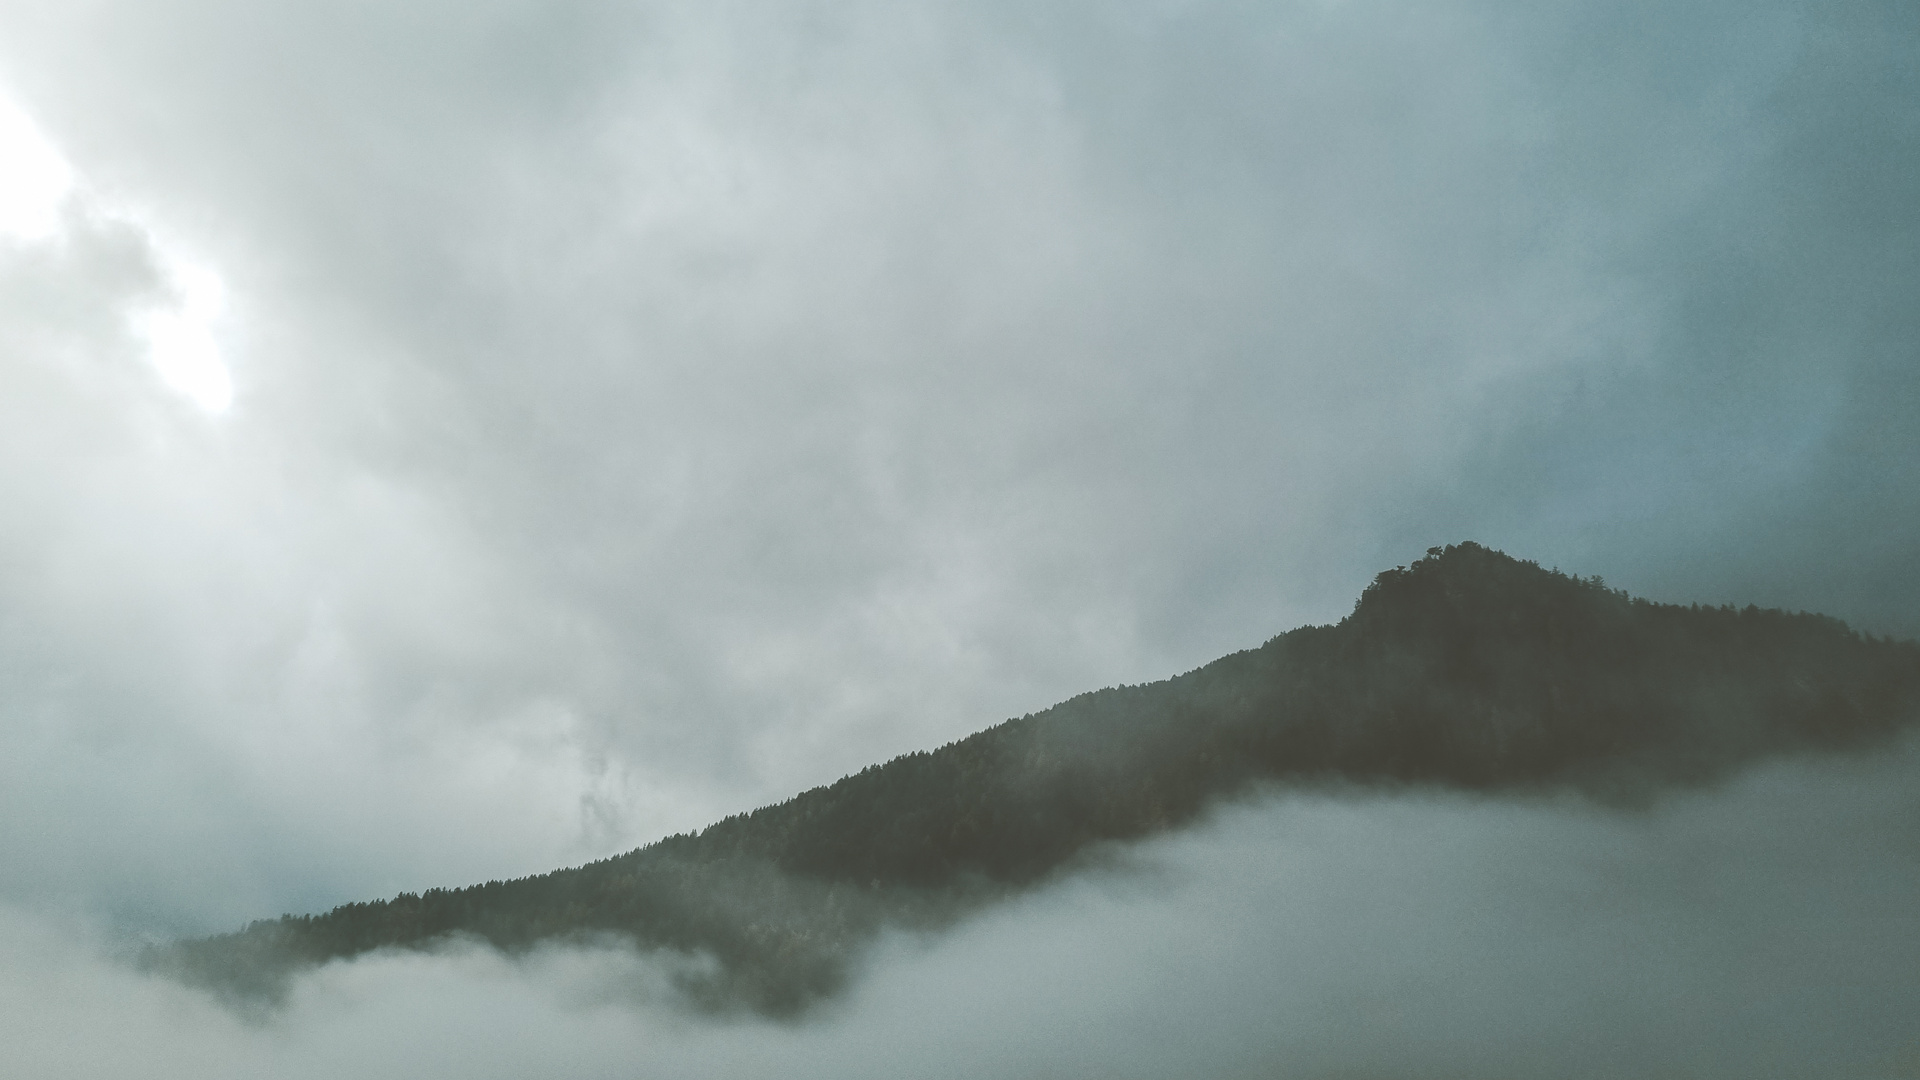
(1467, 576)
(1468, 669)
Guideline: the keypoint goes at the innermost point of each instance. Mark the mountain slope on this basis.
(1468, 669)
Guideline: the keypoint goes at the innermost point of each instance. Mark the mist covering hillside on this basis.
(1467, 670)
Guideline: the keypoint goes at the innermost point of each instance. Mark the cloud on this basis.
(1760, 930)
(36, 180)
(642, 412)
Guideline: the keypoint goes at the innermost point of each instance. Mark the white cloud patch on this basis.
(34, 178)
(181, 341)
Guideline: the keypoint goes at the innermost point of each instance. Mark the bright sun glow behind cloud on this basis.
(35, 181)
(180, 337)
(34, 178)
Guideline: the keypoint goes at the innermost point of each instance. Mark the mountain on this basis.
(1467, 670)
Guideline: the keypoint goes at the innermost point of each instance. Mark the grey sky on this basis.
(644, 411)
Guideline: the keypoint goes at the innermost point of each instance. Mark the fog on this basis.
(1763, 929)
(443, 442)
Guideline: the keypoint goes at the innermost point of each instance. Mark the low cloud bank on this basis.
(1763, 929)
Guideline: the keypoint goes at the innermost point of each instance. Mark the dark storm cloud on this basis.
(646, 411)
(1757, 449)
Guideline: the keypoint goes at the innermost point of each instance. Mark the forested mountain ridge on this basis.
(1468, 669)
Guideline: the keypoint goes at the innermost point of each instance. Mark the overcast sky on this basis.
(443, 441)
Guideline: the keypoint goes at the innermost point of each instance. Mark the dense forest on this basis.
(1468, 669)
